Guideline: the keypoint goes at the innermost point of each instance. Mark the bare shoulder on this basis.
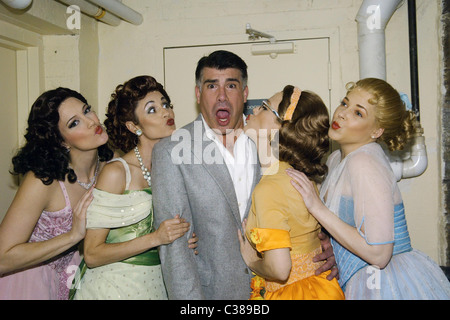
(31, 199)
(112, 178)
(33, 187)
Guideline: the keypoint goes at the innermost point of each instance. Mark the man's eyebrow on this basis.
(216, 80)
(233, 79)
(210, 81)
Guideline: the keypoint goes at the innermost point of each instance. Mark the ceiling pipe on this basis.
(94, 11)
(372, 19)
(122, 11)
(17, 4)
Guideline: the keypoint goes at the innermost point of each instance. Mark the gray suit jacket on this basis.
(203, 193)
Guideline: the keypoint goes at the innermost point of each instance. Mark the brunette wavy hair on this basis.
(121, 109)
(303, 140)
(43, 152)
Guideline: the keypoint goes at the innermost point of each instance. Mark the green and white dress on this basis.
(128, 216)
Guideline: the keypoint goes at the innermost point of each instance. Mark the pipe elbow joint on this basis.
(418, 162)
(414, 165)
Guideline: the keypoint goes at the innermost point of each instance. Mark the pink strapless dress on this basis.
(50, 280)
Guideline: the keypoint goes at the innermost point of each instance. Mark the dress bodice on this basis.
(136, 230)
(349, 263)
(53, 223)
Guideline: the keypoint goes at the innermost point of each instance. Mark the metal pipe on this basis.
(372, 19)
(94, 11)
(412, 27)
(17, 4)
(120, 10)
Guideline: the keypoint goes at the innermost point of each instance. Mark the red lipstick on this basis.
(335, 125)
(99, 130)
(170, 122)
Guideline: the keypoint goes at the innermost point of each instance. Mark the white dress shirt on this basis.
(240, 166)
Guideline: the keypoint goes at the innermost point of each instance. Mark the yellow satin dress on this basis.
(277, 219)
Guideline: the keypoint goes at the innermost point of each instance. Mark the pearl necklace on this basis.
(145, 171)
(92, 180)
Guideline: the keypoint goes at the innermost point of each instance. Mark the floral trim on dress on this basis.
(257, 285)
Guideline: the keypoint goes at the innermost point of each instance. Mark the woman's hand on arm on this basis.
(347, 235)
(78, 230)
(171, 229)
(313, 202)
(97, 252)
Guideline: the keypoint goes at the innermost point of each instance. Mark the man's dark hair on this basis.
(221, 60)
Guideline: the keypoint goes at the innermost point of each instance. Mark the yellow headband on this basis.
(294, 100)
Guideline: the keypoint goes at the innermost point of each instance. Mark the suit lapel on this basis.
(217, 169)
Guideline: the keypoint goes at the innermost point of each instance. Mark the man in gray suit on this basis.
(206, 172)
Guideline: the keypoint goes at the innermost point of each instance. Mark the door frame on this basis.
(28, 47)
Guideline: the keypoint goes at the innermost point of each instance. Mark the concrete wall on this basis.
(98, 57)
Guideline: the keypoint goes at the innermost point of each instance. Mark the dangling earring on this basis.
(66, 147)
(139, 132)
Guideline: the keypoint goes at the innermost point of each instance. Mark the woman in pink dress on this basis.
(64, 151)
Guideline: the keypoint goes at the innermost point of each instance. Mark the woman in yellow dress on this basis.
(290, 131)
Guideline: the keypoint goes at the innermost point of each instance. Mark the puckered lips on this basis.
(170, 122)
(99, 130)
(335, 125)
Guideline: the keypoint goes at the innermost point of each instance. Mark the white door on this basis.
(307, 68)
(8, 125)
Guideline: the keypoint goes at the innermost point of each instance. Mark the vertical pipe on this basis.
(412, 26)
(372, 18)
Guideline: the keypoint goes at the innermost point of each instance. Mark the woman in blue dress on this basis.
(363, 207)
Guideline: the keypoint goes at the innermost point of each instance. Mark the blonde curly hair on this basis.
(398, 123)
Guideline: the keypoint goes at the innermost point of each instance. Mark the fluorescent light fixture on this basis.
(273, 49)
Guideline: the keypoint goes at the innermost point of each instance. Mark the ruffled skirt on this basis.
(408, 276)
(310, 288)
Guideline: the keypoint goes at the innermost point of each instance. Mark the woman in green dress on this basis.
(121, 260)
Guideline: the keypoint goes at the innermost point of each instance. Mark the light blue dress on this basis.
(362, 190)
